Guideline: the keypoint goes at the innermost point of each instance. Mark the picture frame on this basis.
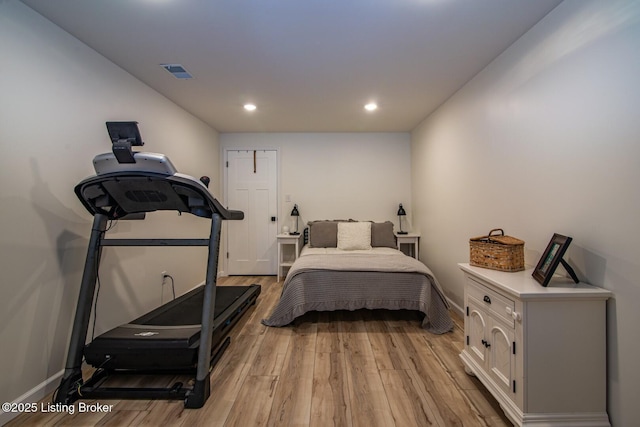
(551, 257)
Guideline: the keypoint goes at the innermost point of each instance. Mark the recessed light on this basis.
(372, 106)
(249, 107)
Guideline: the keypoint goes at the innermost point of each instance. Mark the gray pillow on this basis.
(323, 234)
(382, 235)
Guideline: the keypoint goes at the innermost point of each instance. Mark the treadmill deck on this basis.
(168, 337)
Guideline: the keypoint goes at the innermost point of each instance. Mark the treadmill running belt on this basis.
(168, 337)
(187, 310)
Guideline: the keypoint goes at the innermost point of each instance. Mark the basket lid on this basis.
(498, 238)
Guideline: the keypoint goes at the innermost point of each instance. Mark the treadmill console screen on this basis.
(124, 135)
(127, 131)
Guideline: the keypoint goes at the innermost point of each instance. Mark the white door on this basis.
(251, 188)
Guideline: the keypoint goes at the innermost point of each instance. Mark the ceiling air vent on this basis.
(177, 70)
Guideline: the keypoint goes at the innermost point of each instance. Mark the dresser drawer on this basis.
(496, 304)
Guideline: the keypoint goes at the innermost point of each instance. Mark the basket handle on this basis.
(496, 229)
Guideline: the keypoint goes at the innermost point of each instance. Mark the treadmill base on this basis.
(194, 397)
(73, 387)
(167, 339)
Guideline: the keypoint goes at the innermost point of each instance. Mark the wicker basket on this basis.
(497, 251)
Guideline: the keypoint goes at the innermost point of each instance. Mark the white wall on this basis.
(362, 176)
(56, 95)
(545, 140)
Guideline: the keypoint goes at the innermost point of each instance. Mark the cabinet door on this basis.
(502, 359)
(476, 328)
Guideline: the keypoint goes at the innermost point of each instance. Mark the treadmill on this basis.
(189, 334)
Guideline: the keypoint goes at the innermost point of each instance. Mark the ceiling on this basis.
(308, 65)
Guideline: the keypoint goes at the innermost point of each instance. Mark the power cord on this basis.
(95, 306)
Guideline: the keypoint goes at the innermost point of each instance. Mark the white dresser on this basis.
(540, 351)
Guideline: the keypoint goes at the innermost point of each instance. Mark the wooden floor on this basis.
(363, 368)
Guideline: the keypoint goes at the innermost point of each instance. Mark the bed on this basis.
(349, 265)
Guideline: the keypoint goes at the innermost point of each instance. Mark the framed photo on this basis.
(551, 257)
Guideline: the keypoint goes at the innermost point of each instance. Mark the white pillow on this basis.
(354, 235)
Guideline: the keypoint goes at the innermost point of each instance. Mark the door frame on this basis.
(224, 247)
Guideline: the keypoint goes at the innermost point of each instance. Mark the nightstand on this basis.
(410, 239)
(287, 257)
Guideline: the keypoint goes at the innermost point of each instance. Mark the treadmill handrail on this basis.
(195, 199)
(154, 242)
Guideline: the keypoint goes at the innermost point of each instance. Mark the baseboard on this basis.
(456, 307)
(588, 419)
(34, 395)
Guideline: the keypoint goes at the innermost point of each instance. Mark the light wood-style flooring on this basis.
(362, 368)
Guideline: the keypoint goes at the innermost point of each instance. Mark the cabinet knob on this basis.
(487, 299)
(514, 314)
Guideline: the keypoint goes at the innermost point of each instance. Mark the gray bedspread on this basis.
(348, 281)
